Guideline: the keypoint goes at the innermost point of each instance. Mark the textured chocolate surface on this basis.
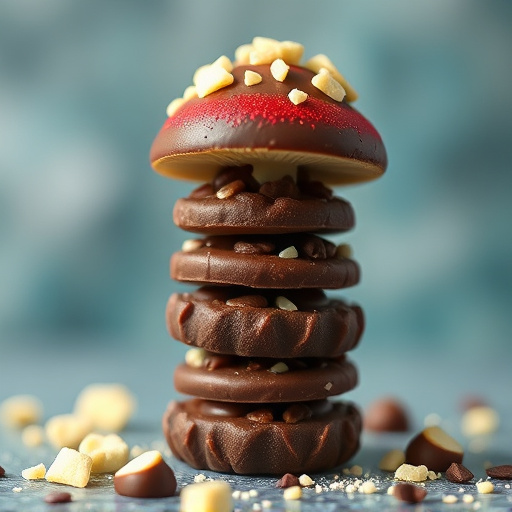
(243, 446)
(254, 262)
(254, 213)
(237, 379)
(238, 124)
(321, 327)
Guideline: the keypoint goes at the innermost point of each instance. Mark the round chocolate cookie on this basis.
(241, 321)
(250, 380)
(231, 442)
(253, 213)
(278, 261)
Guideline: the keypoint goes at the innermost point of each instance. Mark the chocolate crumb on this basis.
(409, 493)
(287, 480)
(58, 497)
(503, 472)
(458, 474)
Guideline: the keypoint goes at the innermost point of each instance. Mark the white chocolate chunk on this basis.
(190, 92)
(410, 473)
(329, 86)
(224, 62)
(242, 53)
(279, 69)
(485, 487)
(368, 487)
(212, 79)
(195, 357)
(297, 96)
(292, 493)
(70, 468)
(252, 78)
(173, 107)
(67, 430)
(322, 61)
(267, 56)
(18, 411)
(306, 480)
(108, 453)
(108, 407)
(265, 43)
(212, 496)
(291, 52)
(34, 473)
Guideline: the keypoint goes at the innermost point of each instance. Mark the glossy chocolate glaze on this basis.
(331, 139)
(240, 445)
(220, 261)
(320, 328)
(239, 381)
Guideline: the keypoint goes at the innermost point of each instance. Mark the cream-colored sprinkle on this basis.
(199, 478)
(351, 488)
(191, 245)
(485, 487)
(279, 368)
(279, 70)
(212, 79)
(190, 92)
(410, 473)
(328, 85)
(306, 480)
(468, 498)
(292, 493)
(236, 494)
(291, 52)
(285, 304)
(450, 499)
(328, 386)
(267, 56)
(224, 62)
(368, 487)
(34, 473)
(174, 106)
(297, 96)
(289, 253)
(266, 503)
(391, 490)
(318, 488)
(245, 496)
(253, 493)
(252, 78)
(195, 357)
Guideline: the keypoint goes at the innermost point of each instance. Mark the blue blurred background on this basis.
(85, 224)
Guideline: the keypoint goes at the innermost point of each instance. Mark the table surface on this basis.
(57, 376)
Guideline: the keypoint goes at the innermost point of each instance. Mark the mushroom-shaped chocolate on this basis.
(294, 117)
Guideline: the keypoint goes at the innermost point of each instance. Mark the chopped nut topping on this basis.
(231, 189)
(190, 92)
(173, 107)
(285, 304)
(297, 96)
(306, 480)
(196, 357)
(211, 79)
(485, 487)
(328, 386)
(191, 245)
(224, 62)
(328, 85)
(257, 57)
(368, 487)
(279, 368)
(450, 499)
(260, 416)
(279, 69)
(411, 473)
(289, 253)
(320, 61)
(252, 78)
(292, 493)
(34, 472)
(242, 53)
(291, 52)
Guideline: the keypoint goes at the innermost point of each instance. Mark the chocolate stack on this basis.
(268, 346)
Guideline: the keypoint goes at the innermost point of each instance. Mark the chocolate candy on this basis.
(240, 445)
(409, 493)
(503, 472)
(325, 327)
(386, 415)
(458, 474)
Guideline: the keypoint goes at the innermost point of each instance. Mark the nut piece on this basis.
(190, 92)
(291, 52)
(252, 78)
(297, 96)
(195, 357)
(67, 430)
(306, 480)
(231, 189)
(320, 61)
(458, 474)
(173, 107)
(279, 368)
(297, 412)
(344, 251)
(279, 69)
(32, 436)
(289, 253)
(146, 476)
(212, 496)
(191, 245)
(386, 415)
(392, 460)
(108, 453)
(34, 473)
(411, 473)
(479, 421)
(260, 416)
(108, 406)
(285, 304)
(434, 448)
(328, 85)
(485, 487)
(368, 487)
(224, 62)
(18, 411)
(293, 493)
(287, 480)
(242, 53)
(71, 468)
(503, 472)
(211, 79)
(409, 493)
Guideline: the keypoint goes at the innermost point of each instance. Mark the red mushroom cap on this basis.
(259, 124)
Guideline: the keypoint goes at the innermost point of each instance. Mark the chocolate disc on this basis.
(251, 325)
(243, 446)
(252, 213)
(259, 262)
(237, 379)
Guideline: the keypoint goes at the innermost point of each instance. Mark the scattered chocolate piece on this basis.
(2, 471)
(58, 497)
(386, 415)
(503, 472)
(287, 480)
(458, 474)
(409, 493)
(433, 448)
